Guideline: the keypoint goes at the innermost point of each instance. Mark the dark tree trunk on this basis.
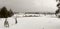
(6, 24)
(16, 20)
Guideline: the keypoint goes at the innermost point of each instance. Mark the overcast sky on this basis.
(30, 5)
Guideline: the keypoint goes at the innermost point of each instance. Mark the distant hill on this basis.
(39, 13)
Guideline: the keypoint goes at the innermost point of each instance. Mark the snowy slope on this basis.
(46, 22)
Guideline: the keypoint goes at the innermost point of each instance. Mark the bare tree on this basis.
(58, 10)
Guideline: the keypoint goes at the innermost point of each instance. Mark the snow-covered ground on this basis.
(46, 22)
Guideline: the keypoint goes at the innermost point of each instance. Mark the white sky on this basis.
(30, 5)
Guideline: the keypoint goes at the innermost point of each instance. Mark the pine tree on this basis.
(10, 13)
(4, 12)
